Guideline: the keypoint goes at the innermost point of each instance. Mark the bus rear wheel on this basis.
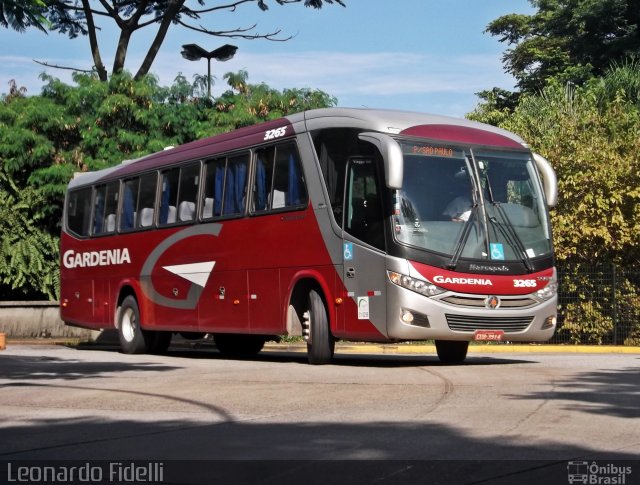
(238, 345)
(129, 331)
(452, 351)
(320, 344)
(135, 340)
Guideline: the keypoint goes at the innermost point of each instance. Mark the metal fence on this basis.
(598, 305)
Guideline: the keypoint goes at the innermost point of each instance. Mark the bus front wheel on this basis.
(452, 351)
(321, 344)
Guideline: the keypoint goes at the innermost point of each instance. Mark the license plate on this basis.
(488, 335)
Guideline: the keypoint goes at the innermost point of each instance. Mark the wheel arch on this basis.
(127, 288)
(298, 293)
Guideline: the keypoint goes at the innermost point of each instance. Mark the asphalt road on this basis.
(404, 412)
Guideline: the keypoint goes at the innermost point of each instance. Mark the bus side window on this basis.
(106, 206)
(169, 196)
(79, 211)
(235, 183)
(188, 192)
(129, 203)
(288, 180)
(146, 200)
(213, 188)
(98, 210)
(111, 208)
(263, 178)
(279, 181)
(363, 210)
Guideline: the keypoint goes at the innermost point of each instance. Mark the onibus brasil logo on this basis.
(595, 473)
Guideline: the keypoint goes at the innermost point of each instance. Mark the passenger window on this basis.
(98, 210)
(279, 180)
(263, 178)
(169, 196)
(129, 203)
(188, 192)
(147, 200)
(79, 211)
(213, 188)
(106, 206)
(138, 202)
(225, 186)
(235, 184)
(179, 193)
(364, 217)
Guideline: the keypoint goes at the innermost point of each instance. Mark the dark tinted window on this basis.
(225, 186)
(79, 211)
(279, 180)
(106, 206)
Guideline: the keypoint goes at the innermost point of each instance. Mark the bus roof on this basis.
(385, 121)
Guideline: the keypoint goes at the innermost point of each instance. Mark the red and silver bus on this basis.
(331, 224)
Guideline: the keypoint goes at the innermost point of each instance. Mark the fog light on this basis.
(549, 322)
(407, 317)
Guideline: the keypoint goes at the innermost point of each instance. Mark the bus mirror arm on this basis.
(391, 155)
(549, 179)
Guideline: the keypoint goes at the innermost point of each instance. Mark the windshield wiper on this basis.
(462, 241)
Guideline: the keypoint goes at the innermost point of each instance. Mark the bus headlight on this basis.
(423, 287)
(548, 291)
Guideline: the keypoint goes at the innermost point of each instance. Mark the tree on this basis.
(80, 17)
(567, 40)
(22, 14)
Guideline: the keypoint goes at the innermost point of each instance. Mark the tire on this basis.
(135, 340)
(238, 345)
(321, 344)
(130, 334)
(452, 351)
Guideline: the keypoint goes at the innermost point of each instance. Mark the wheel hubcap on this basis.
(128, 325)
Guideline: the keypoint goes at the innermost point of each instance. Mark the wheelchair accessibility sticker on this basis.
(497, 251)
(348, 251)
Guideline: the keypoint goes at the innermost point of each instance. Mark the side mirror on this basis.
(549, 179)
(391, 155)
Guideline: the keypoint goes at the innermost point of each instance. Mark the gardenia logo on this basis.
(462, 281)
(106, 257)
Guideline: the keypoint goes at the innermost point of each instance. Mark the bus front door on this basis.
(363, 251)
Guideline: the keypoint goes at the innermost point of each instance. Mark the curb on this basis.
(412, 349)
(366, 348)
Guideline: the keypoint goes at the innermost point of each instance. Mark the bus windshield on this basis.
(470, 203)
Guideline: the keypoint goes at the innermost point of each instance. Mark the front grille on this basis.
(479, 302)
(464, 323)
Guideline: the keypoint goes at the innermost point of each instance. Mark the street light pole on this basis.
(193, 52)
(208, 78)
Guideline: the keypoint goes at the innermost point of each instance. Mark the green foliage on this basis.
(45, 139)
(28, 253)
(19, 15)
